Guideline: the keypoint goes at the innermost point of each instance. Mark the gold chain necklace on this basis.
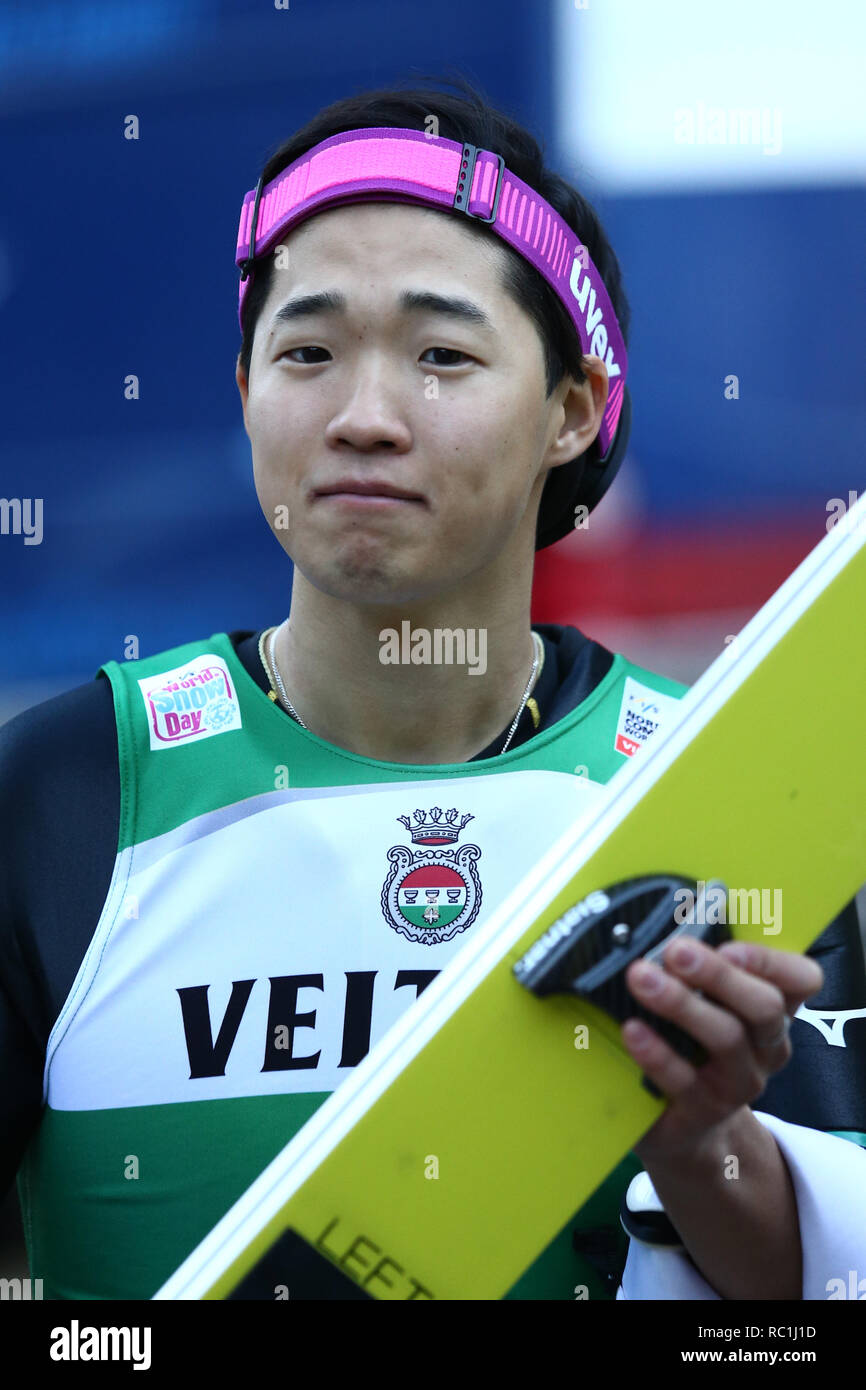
(271, 665)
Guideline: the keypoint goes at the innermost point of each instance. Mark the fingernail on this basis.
(684, 957)
(739, 952)
(649, 978)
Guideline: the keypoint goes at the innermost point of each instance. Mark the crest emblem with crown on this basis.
(434, 893)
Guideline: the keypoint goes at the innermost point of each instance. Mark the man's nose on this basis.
(373, 412)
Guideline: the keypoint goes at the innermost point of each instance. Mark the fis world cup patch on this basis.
(191, 702)
(640, 714)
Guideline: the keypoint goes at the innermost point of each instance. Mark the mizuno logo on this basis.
(830, 1022)
(593, 316)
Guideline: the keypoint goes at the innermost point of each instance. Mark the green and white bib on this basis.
(276, 904)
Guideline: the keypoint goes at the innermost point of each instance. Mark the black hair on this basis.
(470, 117)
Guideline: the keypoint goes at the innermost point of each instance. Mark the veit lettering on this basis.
(208, 1056)
(356, 1254)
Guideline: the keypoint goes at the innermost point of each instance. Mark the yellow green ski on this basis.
(423, 1176)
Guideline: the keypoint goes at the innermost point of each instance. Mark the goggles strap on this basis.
(390, 164)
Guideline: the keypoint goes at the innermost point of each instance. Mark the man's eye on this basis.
(450, 353)
(289, 352)
(454, 352)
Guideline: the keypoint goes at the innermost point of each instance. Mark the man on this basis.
(238, 927)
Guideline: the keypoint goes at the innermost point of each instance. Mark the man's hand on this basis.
(747, 995)
(743, 1236)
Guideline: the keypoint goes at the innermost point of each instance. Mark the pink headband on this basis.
(389, 164)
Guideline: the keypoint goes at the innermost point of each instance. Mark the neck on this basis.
(349, 672)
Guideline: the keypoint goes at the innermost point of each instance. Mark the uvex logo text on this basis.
(593, 316)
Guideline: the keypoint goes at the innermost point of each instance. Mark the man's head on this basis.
(473, 431)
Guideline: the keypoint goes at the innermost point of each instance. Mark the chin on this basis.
(351, 575)
(366, 575)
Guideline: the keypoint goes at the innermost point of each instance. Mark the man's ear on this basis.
(583, 406)
(243, 387)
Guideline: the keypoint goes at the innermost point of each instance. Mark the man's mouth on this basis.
(366, 492)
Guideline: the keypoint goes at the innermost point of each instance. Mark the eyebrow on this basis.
(411, 301)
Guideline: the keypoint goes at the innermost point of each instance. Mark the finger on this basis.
(739, 1073)
(762, 1006)
(670, 1072)
(757, 1001)
(772, 1039)
(797, 976)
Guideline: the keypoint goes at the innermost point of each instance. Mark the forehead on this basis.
(389, 241)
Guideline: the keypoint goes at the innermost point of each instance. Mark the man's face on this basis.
(361, 393)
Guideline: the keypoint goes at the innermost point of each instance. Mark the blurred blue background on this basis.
(117, 257)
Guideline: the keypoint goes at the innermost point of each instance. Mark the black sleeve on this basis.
(59, 816)
(59, 822)
(823, 1085)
